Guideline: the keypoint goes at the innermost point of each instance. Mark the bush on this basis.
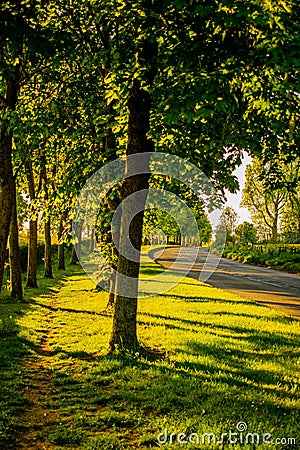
(277, 257)
(23, 249)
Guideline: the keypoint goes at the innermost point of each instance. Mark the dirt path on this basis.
(39, 374)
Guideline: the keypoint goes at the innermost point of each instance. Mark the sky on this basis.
(233, 200)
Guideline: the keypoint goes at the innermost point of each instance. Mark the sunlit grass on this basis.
(216, 359)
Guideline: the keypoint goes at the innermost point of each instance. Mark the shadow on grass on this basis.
(124, 400)
(71, 310)
(144, 393)
(197, 299)
(13, 350)
(265, 339)
(150, 269)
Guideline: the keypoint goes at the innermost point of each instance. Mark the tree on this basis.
(184, 76)
(290, 220)
(229, 219)
(205, 229)
(209, 121)
(160, 219)
(27, 41)
(246, 233)
(14, 256)
(264, 202)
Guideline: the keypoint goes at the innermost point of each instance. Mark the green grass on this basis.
(216, 359)
(21, 329)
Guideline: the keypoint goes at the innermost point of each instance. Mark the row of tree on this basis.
(84, 82)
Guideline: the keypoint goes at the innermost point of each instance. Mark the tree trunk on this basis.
(6, 198)
(14, 256)
(74, 258)
(92, 240)
(76, 248)
(274, 231)
(47, 228)
(32, 255)
(33, 233)
(48, 250)
(124, 322)
(61, 246)
(61, 257)
(7, 181)
(298, 213)
(112, 289)
(124, 332)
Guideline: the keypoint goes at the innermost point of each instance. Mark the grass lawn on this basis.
(217, 360)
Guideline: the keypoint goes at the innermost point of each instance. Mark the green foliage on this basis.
(228, 220)
(104, 229)
(263, 201)
(290, 219)
(232, 88)
(246, 233)
(167, 216)
(23, 249)
(276, 257)
(160, 223)
(271, 194)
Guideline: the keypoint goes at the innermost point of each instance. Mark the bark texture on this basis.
(48, 250)
(7, 182)
(32, 254)
(48, 273)
(74, 258)
(33, 232)
(14, 254)
(124, 333)
(61, 246)
(61, 257)
(92, 240)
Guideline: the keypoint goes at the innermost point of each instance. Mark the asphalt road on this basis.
(268, 287)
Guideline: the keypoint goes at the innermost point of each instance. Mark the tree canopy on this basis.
(85, 82)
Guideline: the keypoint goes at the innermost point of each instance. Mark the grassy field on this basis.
(211, 360)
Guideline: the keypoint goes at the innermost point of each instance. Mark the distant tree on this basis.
(290, 220)
(161, 223)
(229, 219)
(264, 201)
(157, 222)
(246, 233)
(204, 228)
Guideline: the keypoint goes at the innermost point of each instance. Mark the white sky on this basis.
(233, 200)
